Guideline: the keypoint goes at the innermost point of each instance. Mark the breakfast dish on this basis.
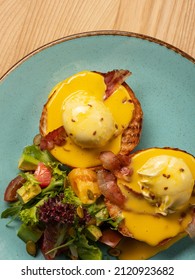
(80, 183)
(162, 82)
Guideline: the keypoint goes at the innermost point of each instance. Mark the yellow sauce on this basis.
(154, 229)
(132, 249)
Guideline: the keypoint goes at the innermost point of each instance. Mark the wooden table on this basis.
(25, 25)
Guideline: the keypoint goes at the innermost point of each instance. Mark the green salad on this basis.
(52, 217)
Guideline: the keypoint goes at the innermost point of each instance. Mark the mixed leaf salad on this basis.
(52, 217)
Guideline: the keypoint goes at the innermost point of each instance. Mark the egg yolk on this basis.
(92, 125)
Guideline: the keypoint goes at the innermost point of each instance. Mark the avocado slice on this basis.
(31, 156)
(93, 232)
(27, 233)
(28, 192)
(27, 162)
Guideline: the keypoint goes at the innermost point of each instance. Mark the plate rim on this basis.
(97, 33)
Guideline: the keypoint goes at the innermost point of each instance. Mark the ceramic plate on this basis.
(163, 79)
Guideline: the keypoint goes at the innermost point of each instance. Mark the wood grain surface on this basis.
(25, 25)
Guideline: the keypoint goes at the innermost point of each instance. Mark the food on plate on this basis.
(81, 184)
(157, 202)
(88, 113)
(61, 210)
(169, 195)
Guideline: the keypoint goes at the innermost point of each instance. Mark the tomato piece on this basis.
(110, 237)
(43, 175)
(10, 194)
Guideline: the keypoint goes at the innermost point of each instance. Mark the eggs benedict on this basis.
(156, 202)
(91, 112)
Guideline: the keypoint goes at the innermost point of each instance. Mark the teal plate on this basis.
(163, 79)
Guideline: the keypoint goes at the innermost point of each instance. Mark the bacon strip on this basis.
(55, 137)
(113, 80)
(114, 166)
(108, 185)
(117, 164)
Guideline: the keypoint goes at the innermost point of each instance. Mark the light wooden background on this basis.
(26, 25)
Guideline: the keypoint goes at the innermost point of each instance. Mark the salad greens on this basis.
(50, 213)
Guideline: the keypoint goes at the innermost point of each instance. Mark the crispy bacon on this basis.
(114, 79)
(108, 185)
(109, 161)
(114, 166)
(117, 164)
(55, 137)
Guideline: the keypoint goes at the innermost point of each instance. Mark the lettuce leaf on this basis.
(87, 251)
